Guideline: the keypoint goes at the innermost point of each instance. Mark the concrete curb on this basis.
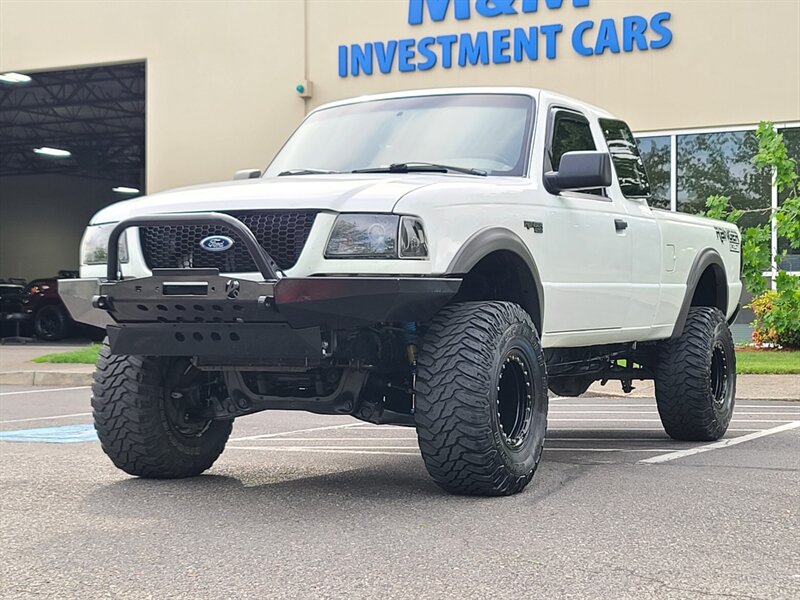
(45, 378)
(739, 398)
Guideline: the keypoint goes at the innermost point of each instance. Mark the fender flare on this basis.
(704, 259)
(485, 242)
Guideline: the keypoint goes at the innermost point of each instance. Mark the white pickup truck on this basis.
(436, 259)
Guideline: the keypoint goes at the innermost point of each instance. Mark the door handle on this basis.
(620, 225)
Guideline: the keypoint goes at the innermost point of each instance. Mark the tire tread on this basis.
(126, 405)
(452, 410)
(683, 379)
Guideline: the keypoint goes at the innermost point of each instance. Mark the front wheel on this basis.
(696, 378)
(481, 399)
(147, 413)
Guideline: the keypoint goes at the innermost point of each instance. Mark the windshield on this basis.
(490, 132)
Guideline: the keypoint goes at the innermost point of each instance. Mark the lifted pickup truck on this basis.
(435, 259)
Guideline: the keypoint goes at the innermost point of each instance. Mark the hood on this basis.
(350, 193)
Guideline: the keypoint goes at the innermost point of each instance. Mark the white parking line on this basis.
(67, 389)
(414, 439)
(329, 447)
(604, 428)
(599, 439)
(394, 449)
(337, 439)
(717, 445)
(318, 450)
(793, 414)
(656, 420)
(83, 414)
(651, 403)
(621, 450)
(282, 433)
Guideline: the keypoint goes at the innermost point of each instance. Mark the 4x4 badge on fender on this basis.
(216, 243)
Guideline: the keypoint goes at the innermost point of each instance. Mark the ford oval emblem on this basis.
(216, 243)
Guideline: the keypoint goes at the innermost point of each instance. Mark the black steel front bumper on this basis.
(203, 313)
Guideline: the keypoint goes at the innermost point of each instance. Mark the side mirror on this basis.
(580, 171)
(247, 174)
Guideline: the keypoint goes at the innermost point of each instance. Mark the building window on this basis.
(657, 156)
(791, 136)
(686, 167)
(721, 164)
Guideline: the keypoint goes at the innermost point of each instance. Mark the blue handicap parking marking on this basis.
(67, 434)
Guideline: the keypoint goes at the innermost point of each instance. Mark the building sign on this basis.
(502, 46)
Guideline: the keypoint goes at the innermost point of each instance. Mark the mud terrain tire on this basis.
(132, 419)
(481, 399)
(696, 378)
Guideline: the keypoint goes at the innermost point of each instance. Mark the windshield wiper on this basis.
(306, 172)
(422, 167)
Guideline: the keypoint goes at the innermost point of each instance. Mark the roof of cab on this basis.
(535, 93)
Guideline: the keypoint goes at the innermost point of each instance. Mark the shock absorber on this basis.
(412, 349)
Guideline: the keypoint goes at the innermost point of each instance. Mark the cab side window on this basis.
(628, 163)
(571, 133)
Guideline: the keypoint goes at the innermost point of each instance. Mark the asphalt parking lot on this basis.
(305, 506)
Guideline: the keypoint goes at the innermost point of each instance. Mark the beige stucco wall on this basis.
(221, 74)
(731, 62)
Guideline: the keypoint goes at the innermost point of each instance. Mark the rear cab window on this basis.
(628, 163)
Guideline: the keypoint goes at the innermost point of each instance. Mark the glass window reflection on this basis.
(721, 164)
(656, 154)
(792, 139)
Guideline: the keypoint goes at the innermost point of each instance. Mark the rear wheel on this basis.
(481, 399)
(52, 323)
(148, 416)
(696, 378)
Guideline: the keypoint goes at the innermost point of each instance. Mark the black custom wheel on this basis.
(696, 378)
(52, 323)
(148, 416)
(481, 399)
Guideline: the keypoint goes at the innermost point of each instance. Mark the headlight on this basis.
(377, 236)
(94, 245)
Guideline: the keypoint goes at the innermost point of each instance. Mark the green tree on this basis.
(778, 311)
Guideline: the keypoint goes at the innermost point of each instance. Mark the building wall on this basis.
(42, 218)
(221, 75)
(730, 62)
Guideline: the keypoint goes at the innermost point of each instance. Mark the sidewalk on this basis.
(16, 368)
(748, 387)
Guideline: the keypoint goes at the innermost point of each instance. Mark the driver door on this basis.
(589, 251)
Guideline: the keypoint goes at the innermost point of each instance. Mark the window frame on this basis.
(547, 162)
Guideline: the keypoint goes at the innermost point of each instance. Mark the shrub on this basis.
(778, 314)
